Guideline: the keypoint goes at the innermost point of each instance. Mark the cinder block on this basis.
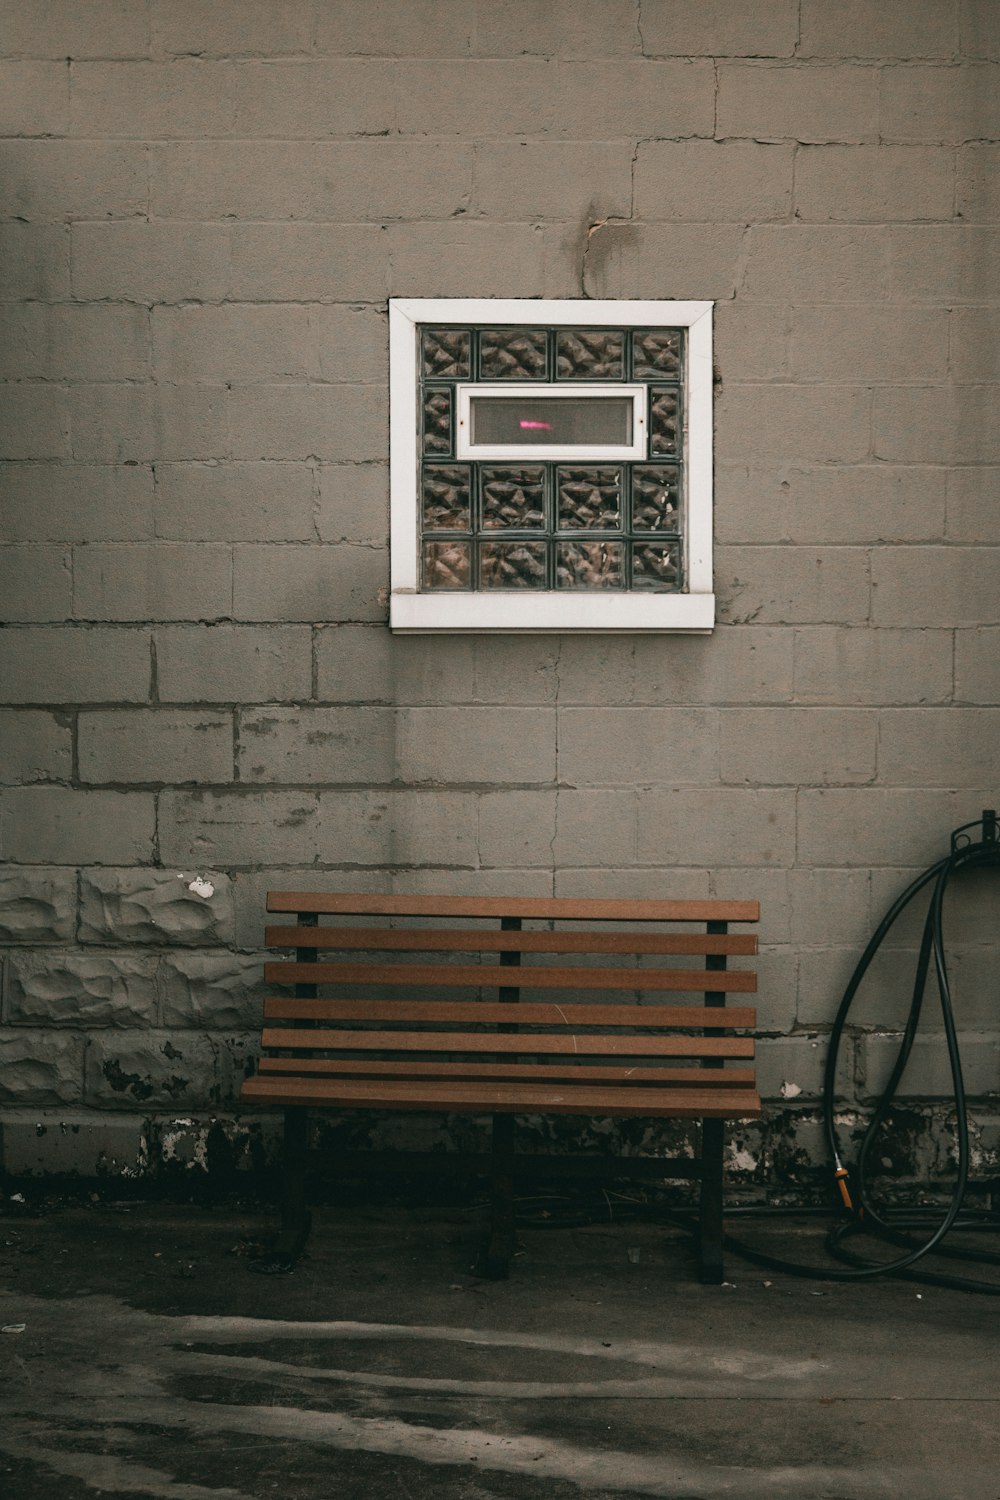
(171, 1069)
(315, 582)
(977, 190)
(232, 28)
(956, 104)
(349, 344)
(938, 746)
(633, 98)
(752, 340)
(34, 98)
(236, 342)
(716, 826)
(874, 184)
(829, 907)
(760, 422)
(58, 180)
(148, 745)
(366, 664)
(942, 586)
(795, 263)
(151, 262)
(631, 884)
(977, 666)
(512, 669)
(311, 99)
(792, 1067)
(935, 424)
(866, 28)
(942, 264)
(82, 989)
(862, 665)
(164, 581)
(152, 100)
(979, 29)
(383, 28)
(517, 829)
(822, 503)
(345, 422)
(798, 746)
(553, 179)
(975, 344)
(476, 745)
(190, 908)
(877, 826)
(211, 991)
(713, 180)
(265, 502)
(734, 665)
(969, 912)
(498, 882)
(323, 745)
(55, 825)
(75, 503)
(637, 746)
(793, 585)
(769, 101)
(133, 423)
(34, 747)
(74, 665)
(553, 28)
(872, 343)
(307, 262)
(719, 28)
(458, 259)
(40, 1067)
(595, 827)
(34, 261)
(233, 664)
(37, 906)
(353, 503)
(777, 983)
(398, 828)
(469, 98)
(34, 421)
(61, 29)
(928, 1074)
(628, 260)
(36, 583)
(102, 342)
(238, 827)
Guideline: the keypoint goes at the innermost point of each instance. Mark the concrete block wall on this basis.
(203, 209)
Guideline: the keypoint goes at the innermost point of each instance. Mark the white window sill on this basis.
(521, 612)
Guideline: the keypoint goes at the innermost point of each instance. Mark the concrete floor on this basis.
(152, 1363)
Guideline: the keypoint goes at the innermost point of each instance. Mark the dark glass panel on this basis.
(569, 421)
(589, 498)
(663, 422)
(512, 565)
(656, 352)
(513, 354)
(447, 353)
(512, 497)
(655, 497)
(437, 421)
(445, 497)
(590, 565)
(447, 565)
(656, 565)
(590, 354)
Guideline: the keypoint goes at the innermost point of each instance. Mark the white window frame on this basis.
(523, 611)
(566, 453)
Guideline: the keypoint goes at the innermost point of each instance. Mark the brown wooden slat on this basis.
(479, 940)
(528, 1013)
(583, 1074)
(491, 1041)
(505, 1098)
(543, 907)
(534, 976)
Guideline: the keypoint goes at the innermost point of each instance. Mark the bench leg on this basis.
(495, 1255)
(296, 1221)
(710, 1206)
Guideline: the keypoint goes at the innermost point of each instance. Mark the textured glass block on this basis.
(447, 353)
(512, 565)
(437, 421)
(590, 354)
(445, 497)
(656, 352)
(655, 497)
(513, 353)
(447, 565)
(656, 565)
(512, 497)
(663, 422)
(589, 498)
(590, 565)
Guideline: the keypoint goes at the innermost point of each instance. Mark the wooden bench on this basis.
(426, 1009)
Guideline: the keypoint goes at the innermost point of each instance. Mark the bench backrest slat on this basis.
(542, 1068)
(539, 1042)
(544, 908)
(480, 940)
(535, 976)
(527, 1013)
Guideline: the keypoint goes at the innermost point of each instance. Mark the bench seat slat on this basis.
(534, 976)
(575, 1074)
(545, 908)
(540, 1042)
(525, 1013)
(476, 940)
(506, 1098)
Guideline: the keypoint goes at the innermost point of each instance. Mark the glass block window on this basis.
(551, 465)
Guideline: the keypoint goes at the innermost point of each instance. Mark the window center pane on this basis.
(569, 421)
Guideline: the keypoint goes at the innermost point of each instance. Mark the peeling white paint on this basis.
(743, 1160)
(790, 1091)
(202, 887)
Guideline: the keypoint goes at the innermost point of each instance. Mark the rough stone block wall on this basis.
(203, 209)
